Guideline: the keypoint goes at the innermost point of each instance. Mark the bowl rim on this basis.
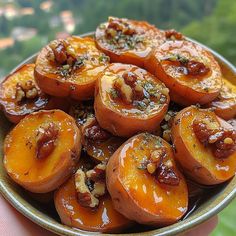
(43, 220)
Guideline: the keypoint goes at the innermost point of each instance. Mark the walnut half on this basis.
(46, 140)
(85, 196)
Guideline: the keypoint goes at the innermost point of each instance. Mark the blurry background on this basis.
(27, 25)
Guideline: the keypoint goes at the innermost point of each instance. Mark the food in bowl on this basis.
(143, 136)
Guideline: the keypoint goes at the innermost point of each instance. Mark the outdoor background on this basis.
(27, 25)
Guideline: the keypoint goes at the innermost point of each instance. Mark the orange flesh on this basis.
(221, 168)
(210, 82)
(86, 74)
(107, 83)
(104, 218)
(160, 199)
(8, 92)
(151, 35)
(225, 103)
(20, 147)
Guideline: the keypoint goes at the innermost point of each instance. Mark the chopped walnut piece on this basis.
(97, 173)
(26, 90)
(118, 25)
(197, 68)
(221, 141)
(155, 160)
(96, 133)
(130, 78)
(167, 175)
(173, 35)
(46, 140)
(99, 189)
(124, 90)
(85, 196)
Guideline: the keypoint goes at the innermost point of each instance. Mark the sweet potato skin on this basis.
(191, 165)
(185, 91)
(225, 104)
(153, 35)
(123, 200)
(118, 123)
(80, 84)
(15, 111)
(87, 219)
(64, 163)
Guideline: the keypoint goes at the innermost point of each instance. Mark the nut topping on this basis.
(24, 91)
(96, 133)
(173, 35)
(46, 140)
(167, 175)
(221, 141)
(89, 197)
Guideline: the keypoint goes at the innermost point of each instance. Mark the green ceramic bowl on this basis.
(48, 219)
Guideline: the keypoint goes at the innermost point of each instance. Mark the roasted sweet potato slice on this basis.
(128, 100)
(97, 142)
(128, 41)
(102, 218)
(69, 68)
(42, 150)
(189, 71)
(205, 145)
(144, 182)
(225, 104)
(20, 95)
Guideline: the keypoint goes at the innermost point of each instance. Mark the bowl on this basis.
(46, 217)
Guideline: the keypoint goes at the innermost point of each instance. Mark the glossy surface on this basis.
(42, 175)
(126, 119)
(79, 84)
(135, 192)
(209, 207)
(202, 89)
(197, 160)
(103, 219)
(147, 37)
(225, 104)
(14, 110)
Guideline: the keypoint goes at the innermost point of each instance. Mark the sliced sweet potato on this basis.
(69, 68)
(144, 182)
(42, 150)
(225, 104)
(128, 41)
(20, 95)
(97, 142)
(189, 71)
(102, 218)
(128, 100)
(205, 145)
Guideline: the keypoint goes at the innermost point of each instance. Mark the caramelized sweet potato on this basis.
(98, 143)
(20, 95)
(189, 71)
(144, 182)
(128, 41)
(225, 104)
(69, 68)
(103, 218)
(129, 100)
(42, 150)
(205, 145)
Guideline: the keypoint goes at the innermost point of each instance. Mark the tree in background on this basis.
(218, 30)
